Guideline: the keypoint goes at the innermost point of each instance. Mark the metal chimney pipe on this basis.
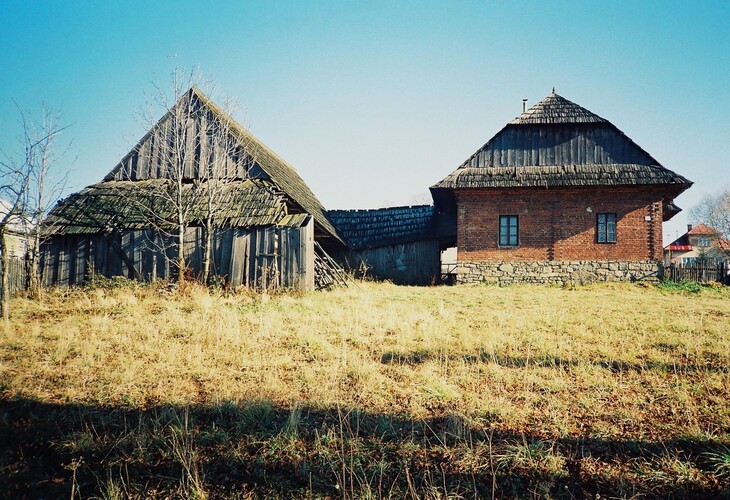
(524, 105)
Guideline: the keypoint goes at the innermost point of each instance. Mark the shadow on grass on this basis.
(257, 449)
(684, 365)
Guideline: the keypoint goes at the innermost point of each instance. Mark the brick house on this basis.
(700, 243)
(559, 195)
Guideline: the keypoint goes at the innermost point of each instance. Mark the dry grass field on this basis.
(125, 390)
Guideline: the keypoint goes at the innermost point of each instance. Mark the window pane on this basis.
(508, 230)
(606, 228)
(611, 229)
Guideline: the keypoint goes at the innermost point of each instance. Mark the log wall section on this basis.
(263, 257)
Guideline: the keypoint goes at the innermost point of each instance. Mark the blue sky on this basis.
(373, 102)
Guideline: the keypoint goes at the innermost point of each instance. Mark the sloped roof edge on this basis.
(280, 171)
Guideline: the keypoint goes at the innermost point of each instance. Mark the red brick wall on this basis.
(559, 223)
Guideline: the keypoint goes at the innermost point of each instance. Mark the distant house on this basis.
(272, 229)
(700, 244)
(17, 231)
(559, 194)
(18, 241)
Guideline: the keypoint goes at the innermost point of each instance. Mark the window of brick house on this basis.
(606, 228)
(508, 230)
(703, 242)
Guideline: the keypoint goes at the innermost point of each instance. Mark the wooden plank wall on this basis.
(17, 274)
(415, 263)
(266, 257)
(146, 160)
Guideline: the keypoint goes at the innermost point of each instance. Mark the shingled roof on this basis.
(557, 143)
(557, 109)
(261, 162)
(127, 205)
(381, 227)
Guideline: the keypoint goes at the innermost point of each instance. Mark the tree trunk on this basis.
(33, 274)
(181, 253)
(5, 292)
(207, 250)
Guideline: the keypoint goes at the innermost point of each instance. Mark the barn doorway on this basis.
(448, 266)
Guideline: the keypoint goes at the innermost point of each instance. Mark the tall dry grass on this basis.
(609, 363)
(610, 360)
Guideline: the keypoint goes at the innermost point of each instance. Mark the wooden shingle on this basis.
(558, 143)
(365, 229)
(130, 205)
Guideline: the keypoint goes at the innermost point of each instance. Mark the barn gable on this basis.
(249, 159)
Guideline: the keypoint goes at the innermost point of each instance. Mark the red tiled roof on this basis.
(702, 230)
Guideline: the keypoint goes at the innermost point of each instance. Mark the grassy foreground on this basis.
(373, 391)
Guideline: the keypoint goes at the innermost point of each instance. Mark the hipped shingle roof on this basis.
(557, 109)
(557, 143)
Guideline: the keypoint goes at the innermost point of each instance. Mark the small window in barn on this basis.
(508, 230)
(606, 228)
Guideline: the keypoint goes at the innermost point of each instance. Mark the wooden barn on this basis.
(247, 213)
(559, 195)
(400, 244)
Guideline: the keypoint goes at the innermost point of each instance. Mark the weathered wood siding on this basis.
(264, 257)
(147, 159)
(17, 275)
(567, 144)
(414, 263)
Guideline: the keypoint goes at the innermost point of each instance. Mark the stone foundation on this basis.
(557, 272)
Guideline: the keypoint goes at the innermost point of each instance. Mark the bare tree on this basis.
(174, 138)
(15, 177)
(226, 153)
(46, 183)
(193, 148)
(714, 211)
(24, 189)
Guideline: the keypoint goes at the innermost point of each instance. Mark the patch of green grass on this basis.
(719, 461)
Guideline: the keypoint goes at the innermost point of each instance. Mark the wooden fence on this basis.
(17, 275)
(702, 273)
